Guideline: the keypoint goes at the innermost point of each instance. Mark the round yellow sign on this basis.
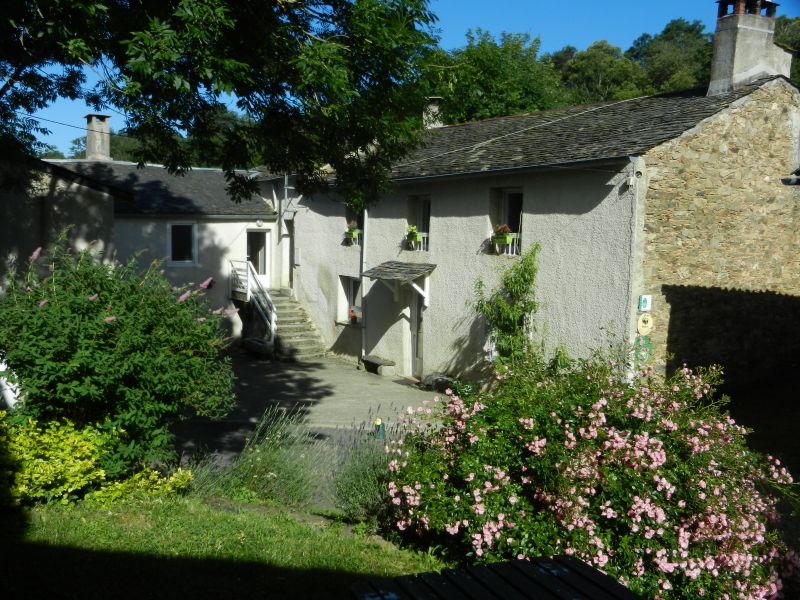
(645, 324)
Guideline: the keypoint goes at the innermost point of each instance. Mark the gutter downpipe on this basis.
(362, 268)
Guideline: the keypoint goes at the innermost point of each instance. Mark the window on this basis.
(182, 243)
(419, 217)
(349, 306)
(506, 220)
(355, 226)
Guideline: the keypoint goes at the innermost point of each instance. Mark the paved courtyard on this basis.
(330, 394)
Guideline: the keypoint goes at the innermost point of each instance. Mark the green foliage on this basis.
(645, 478)
(787, 35)
(147, 483)
(678, 58)
(49, 151)
(102, 344)
(320, 82)
(602, 73)
(361, 483)
(489, 78)
(55, 462)
(508, 310)
(280, 464)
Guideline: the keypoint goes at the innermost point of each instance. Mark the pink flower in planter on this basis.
(36, 254)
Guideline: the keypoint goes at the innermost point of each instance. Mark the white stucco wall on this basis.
(218, 242)
(585, 221)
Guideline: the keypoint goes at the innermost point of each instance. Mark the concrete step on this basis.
(297, 337)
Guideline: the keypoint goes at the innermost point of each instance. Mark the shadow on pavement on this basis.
(261, 384)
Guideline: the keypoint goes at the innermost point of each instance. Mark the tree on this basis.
(677, 58)
(321, 81)
(787, 34)
(488, 78)
(560, 58)
(49, 151)
(602, 73)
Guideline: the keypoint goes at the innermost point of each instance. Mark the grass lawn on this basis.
(186, 548)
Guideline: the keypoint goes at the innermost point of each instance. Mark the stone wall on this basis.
(718, 218)
(50, 206)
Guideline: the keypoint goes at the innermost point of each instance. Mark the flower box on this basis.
(352, 234)
(414, 236)
(503, 238)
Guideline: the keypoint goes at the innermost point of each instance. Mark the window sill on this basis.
(182, 264)
(358, 324)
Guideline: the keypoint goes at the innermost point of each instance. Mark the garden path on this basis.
(331, 394)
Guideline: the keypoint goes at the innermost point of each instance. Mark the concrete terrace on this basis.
(331, 395)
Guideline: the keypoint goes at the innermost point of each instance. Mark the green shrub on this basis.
(105, 345)
(508, 310)
(281, 463)
(642, 477)
(146, 483)
(55, 462)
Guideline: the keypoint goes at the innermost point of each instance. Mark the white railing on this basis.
(418, 245)
(510, 249)
(244, 280)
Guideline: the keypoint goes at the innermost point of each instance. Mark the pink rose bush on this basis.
(647, 479)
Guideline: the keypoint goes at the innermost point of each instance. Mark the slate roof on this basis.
(394, 270)
(153, 191)
(607, 131)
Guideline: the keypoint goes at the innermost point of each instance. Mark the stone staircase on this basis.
(297, 337)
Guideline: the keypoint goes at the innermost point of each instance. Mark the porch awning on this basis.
(393, 274)
(403, 272)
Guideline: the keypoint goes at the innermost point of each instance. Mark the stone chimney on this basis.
(431, 116)
(98, 137)
(743, 46)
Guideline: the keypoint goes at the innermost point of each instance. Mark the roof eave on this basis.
(562, 165)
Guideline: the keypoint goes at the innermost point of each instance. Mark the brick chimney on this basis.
(743, 46)
(98, 137)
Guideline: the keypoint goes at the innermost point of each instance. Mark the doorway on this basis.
(258, 254)
(417, 308)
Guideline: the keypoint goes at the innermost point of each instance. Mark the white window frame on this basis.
(416, 217)
(182, 263)
(347, 298)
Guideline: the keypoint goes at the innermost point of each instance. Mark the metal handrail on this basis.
(245, 279)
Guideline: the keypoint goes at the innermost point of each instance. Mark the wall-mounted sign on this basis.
(642, 351)
(645, 303)
(645, 324)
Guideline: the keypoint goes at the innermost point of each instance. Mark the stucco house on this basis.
(188, 221)
(662, 221)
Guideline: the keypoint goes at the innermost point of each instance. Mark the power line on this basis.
(73, 126)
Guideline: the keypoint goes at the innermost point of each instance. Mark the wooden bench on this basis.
(559, 578)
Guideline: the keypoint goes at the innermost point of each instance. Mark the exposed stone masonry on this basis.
(700, 233)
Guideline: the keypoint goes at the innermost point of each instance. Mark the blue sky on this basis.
(557, 23)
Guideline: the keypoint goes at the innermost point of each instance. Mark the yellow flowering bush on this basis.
(52, 462)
